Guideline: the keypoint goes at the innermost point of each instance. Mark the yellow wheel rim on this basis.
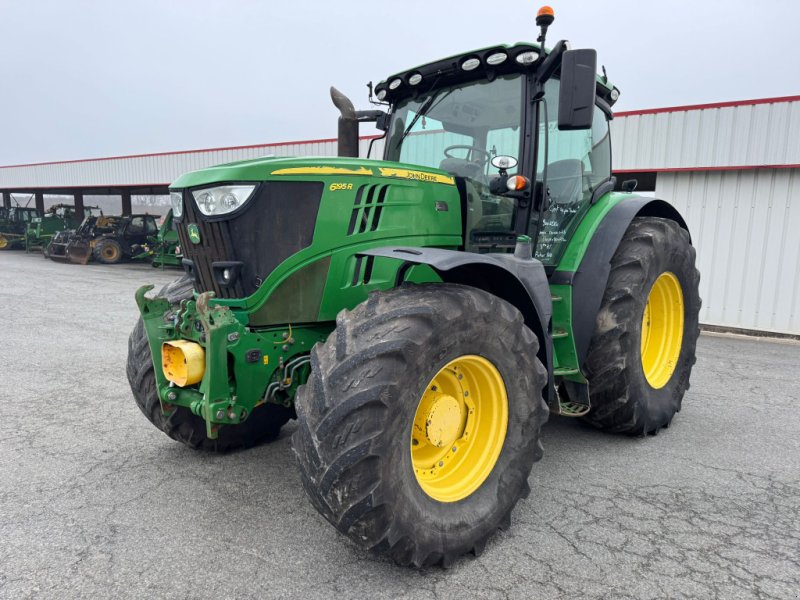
(662, 330)
(110, 253)
(3, 242)
(459, 428)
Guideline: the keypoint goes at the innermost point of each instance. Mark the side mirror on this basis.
(503, 162)
(498, 184)
(577, 95)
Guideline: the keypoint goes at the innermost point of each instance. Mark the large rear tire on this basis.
(263, 424)
(643, 348)
(392, 448)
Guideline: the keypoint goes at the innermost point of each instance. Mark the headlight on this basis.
(223, 199)
(176, 199)
(527, 58)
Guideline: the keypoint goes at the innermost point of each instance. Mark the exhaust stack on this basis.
(348, 124)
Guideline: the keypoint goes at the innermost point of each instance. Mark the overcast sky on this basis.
(81, 79)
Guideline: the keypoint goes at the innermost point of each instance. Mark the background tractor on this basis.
(13, 222)
(58, 217)
(421, 315)
(107, 239)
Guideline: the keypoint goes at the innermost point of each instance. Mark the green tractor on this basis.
(163, 249)
(422, 315)
(13, 223)
(58, 217)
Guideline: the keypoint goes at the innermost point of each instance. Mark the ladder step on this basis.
(556, 298)
(562, 371)
(560, 333)
(573, 409)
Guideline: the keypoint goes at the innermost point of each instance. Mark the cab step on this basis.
(556, 298)
(565, 371)
(573, 409)
(559, 333)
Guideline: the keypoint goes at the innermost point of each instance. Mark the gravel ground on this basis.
(95, 502)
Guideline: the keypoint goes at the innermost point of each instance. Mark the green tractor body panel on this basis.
(272, 273)
(567, 359)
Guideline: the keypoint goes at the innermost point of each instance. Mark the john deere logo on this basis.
(194, 233)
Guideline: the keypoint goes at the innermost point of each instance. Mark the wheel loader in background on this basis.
(421, 315)
(107, 239)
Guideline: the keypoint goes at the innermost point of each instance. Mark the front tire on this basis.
(643, 348)
(263, 424)
(392, 358)
(108, 252)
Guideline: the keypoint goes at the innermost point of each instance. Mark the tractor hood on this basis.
(261, 169)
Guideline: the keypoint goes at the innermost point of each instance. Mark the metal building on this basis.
(732, 168)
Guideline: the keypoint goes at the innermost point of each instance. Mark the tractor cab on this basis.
(20, 215)
(528, 152)
(13, 223)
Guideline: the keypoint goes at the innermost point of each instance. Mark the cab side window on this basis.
(137, 226)
(577, 163)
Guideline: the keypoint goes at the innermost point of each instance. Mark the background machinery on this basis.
(107, 239)
(13, 222)
(162, 249)
(58, 217)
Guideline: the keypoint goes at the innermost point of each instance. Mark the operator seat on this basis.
(565, 181)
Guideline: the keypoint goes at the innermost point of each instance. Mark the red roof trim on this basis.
(688, 107)
(690, 169)
(125, 156)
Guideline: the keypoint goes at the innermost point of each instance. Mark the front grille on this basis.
(278, 222)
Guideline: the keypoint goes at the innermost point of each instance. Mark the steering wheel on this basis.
(473, 150)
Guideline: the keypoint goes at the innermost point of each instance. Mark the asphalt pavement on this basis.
(96, 503)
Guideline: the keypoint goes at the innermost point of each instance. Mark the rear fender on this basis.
(521, 283)
(590, 279)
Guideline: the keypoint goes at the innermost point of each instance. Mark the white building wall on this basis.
(730, 136)
(746, 228)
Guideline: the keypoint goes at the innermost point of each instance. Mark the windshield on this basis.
(459, 128)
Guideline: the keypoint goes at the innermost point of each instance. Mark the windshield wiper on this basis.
(424, 110)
